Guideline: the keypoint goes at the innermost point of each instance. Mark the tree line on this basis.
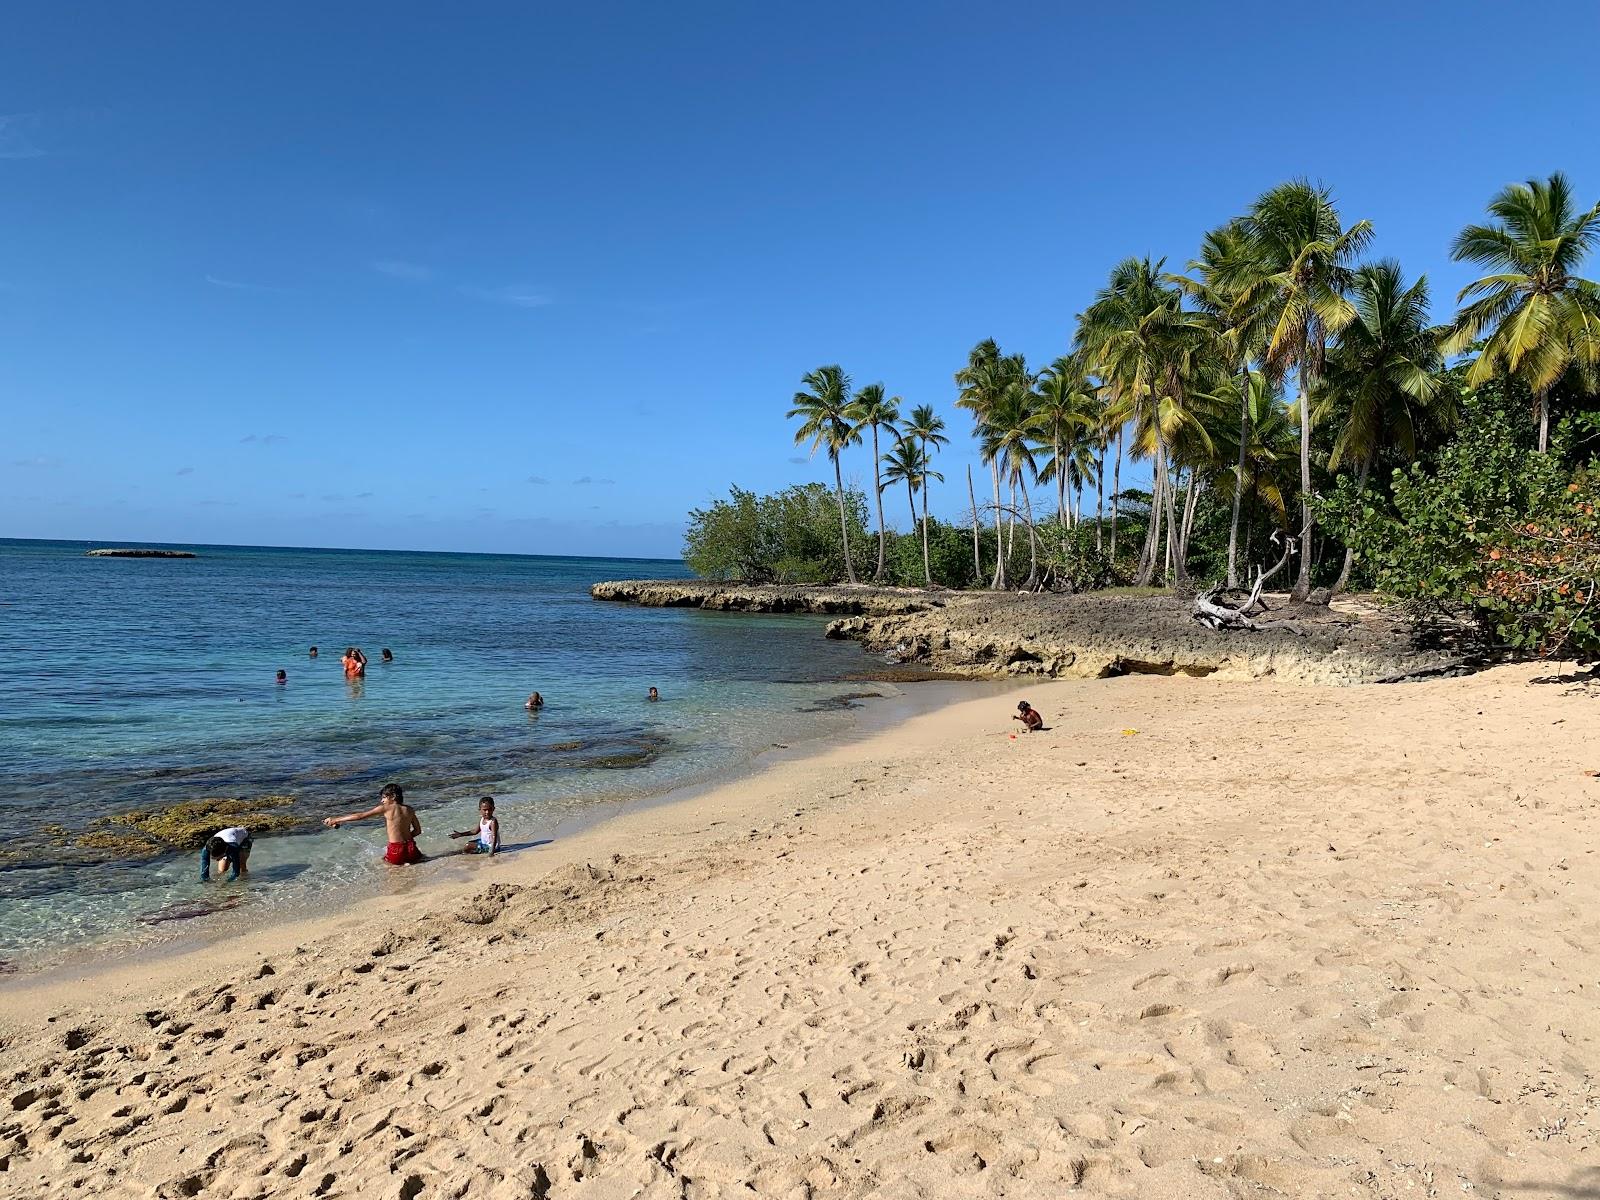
(1291, 400)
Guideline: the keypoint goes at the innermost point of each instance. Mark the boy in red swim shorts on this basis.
(399, 818)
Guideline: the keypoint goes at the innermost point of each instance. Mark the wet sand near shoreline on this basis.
(1198, 939)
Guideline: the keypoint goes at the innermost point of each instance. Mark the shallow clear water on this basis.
(135, 683)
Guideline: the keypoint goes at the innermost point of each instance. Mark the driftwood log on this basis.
(1214, 613)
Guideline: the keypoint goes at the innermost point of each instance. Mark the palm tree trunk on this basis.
(911, 495)
(1349, 554)
(1152, 534)
(844, 526)
(1541, 403)
(1116, 495)
(1238, 482)
(927, 572)
(1033, 540)
(1191, 505)
(999, 583)
(877, 483)
(1061, 495)
(1011, 518)
(1100, 498)
(1302, 583)
(972, 498)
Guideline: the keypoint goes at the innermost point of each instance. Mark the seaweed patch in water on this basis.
(841, 701)
(151, 832)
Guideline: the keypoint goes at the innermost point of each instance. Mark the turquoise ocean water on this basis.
(128, 684)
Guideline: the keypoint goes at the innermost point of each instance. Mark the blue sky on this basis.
(539, 278)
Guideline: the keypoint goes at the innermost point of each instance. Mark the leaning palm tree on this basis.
(1540, 317)
(1305, 256)
(1226, 269)
(926, 428)
(827, 424)
(1382, 382)
(871, 409)
(1008, 444)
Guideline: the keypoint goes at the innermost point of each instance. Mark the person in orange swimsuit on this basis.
(355, 663)
(399, 819)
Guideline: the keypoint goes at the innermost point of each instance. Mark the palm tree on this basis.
(1008, 443)
(927, 428)
(1271, 445)
(984, 382)
(1305, 258)
(1382, 380)
(908, 463)
(1227, 266)
(1541, 318)
(1147, 348)
(872, 410)
(828, 425)
(1066, 413)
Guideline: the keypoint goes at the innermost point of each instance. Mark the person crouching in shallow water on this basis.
(535, 702)
(487, 832)
(654, 695)
(230, 847)
(399, 818)
(1029, 716)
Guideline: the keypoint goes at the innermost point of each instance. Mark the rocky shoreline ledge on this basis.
(116, 552)
(991, 635)
(770, 597)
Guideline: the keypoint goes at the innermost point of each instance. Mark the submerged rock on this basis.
(147, 833)
(136, 553)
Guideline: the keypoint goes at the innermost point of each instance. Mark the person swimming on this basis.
(654, 695)
(535, 702)
(283, 676)
(313, 653)
(355, 663)
(388, 655)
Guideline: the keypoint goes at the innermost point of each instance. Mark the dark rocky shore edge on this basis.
(997, 635)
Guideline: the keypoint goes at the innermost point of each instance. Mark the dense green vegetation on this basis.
(1296, 406)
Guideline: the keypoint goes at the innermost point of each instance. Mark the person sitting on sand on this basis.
(654, 695)
(283, 676)
(231, 846)
(399, 818)
(1029, 716)
(535, 702)
(488, 831)
(388, 655)
(313, 653)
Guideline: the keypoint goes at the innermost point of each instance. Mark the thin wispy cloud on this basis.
(539, 479)
(38, 460)
(398, 268)
(17, 136)
(798, 460)
(262, 439)
(517, 295)
(240, 285)
(586, 480)
(184, 471)
(364, 495)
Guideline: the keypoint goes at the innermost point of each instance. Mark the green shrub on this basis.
(789, 537)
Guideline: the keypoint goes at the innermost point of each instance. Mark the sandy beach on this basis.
(1198, 939)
